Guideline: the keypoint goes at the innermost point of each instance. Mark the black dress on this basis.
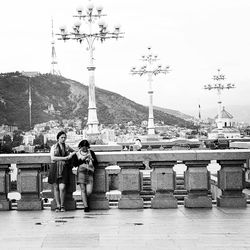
(60, 171)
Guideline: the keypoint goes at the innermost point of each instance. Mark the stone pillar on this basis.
(29, 185)
(197, 183)
(93, 131)
(98, 198)
(163, 183)
(70, 202)
(5, 204)
(130, 184)
(151, 125)
(231, 182)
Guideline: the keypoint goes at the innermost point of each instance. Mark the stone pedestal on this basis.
(164, 200)
(163, 183)
(98, 199)
(29, 185)
(229, 201)
(29, 202)
(198, 200)
(197, 183)
(5, 204)
(130, 200)
(231, 182)
(130, 185)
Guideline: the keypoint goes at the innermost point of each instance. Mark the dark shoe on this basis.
(57, 209)
(62, 209)
(86, 209)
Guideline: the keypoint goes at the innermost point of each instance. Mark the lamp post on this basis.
(150, 70)
(101, 33)
(30, 74)
(219, 86)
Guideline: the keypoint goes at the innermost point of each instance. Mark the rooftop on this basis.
(225, 114)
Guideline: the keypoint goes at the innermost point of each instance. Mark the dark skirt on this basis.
(84, 177)
(53, 174)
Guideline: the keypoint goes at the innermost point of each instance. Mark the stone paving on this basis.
(181, 228)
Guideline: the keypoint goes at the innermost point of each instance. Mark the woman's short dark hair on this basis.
(59, 134)
(83, 143)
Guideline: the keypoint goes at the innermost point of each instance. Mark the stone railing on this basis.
(163, 144)
(164, 165)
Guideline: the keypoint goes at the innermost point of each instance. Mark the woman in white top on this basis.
(85, 160)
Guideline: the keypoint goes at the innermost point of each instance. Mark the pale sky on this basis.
(193, 37)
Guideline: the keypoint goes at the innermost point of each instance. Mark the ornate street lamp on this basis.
(219, 86)
(149, 69)
(89, 16)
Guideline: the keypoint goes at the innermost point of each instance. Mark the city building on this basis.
(108, 135)
(226, 119)
(28, 139)
(51, 110)
(228, 130)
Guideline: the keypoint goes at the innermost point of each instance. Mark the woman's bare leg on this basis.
(57, 194)
(89, 188)
(62, 189)
(84, 195)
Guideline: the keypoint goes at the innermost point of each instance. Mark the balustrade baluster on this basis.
(163, 183)
(197, 183)
(5, 204)
(29, 185)
(231, 182)
(130, 185)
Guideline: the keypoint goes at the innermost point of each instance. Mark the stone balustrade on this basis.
(163, 144)
(197, 181)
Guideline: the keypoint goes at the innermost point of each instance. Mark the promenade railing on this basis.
(230, 173)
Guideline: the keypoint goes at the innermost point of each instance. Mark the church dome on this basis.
(224, 114)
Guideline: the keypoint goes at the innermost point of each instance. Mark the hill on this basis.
(70, 99)
(175, 113)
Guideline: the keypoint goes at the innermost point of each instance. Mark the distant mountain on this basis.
(69, 100)
(175, 113)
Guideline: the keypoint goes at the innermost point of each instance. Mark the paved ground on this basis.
(180, 228)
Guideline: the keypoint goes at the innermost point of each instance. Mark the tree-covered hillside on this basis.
(69, 99)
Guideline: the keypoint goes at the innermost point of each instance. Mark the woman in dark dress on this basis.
(59, 171)
(85, 160)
